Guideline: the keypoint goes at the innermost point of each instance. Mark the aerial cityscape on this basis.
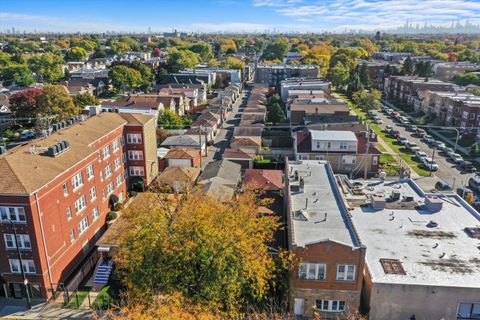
(240, 159)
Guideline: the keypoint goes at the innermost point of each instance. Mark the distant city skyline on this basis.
(237, 16)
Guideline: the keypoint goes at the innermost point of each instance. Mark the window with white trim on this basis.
(375, 160)
(330, 305)
(28, 266)
(95, 213)
(468, 311)
(346, 272)
(93, 194)
(16, 214)
(69, 214)
(80, 204)
(72, 235)
(343, 145)
(115, 145)
(82, 225)
(65, 189)
(108, 171)
(119, 180)
(23, 241)
(90, 172)
(106, 152)
(134, 138)
(312, 271)
(77, 181)
(110, 188)
(137, 171)
(135, 155)
(117, 163)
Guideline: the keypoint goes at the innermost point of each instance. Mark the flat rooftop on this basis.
(317, 213)
(432, 246)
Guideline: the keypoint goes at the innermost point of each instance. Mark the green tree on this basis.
(364, 76)
(77, 54)
(204, 50)
(55, 100)
(408, 66)
(275, 113)
(276, 50)
(48, 66)
(354, 85)
(468, 55)
(233, 63)
(181, 59)
(476, 91)
(118, 47)
(125, 78)
(215, 254)
(424, 69)
(170, 120)
(227, 46)
(367, 100)
(466, 79)
(85, 99)
(338, 75)
(16, 73)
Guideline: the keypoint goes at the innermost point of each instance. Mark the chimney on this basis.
(301, 185)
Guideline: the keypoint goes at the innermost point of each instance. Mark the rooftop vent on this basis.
(300, 215)
(432, 224)
(392, 266)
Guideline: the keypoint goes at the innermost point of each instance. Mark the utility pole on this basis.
(25, 281)
(431, 164)
(367, 158)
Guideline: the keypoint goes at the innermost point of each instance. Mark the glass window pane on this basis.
(334, 305)
(464, 310)
(476, 311)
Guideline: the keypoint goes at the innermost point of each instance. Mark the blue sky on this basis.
(230, 15)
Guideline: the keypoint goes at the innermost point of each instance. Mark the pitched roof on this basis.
(330, 135)
(182, 153)
(142, 101)
(247, 132)
(172, 175)
(218, 191)
(246, 142)
(136, 118)
(23, 171)
(222, 171)
(269, 180)
(185, 140)
(239, 153)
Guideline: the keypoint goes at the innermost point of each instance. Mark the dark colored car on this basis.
(442, 186)
(467, 166)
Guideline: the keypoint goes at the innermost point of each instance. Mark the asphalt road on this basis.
(448, 171)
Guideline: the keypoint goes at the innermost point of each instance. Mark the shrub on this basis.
(118, 206)
(132, 193)
(112, 215)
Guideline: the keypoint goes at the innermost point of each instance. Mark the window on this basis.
(117, 163)
(16, 214)
(93, 194)
(95, 214)
(135, 155)
(90, 172)
(115, 145)
(329, 145)
(108, 171)
(80, 204)
(134, 138)
(312, 271)
(472, 116)
(374, 161)
(124, 157)
(110, 188)
(468, 311)
(349, 159)
(330, 305)
(119, 180)
(72, 235)
(28, 266)
(318, 144)
(69, 214)
(317, 157)
(77, 181)
(126, 174)
(65, 189)
(123, 141)
(82, 225)
(23, 241)
(106, 152)
(343, 145)
(136, 171)
(346, 272)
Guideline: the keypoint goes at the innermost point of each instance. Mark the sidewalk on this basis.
(463, 150)
(42, 311)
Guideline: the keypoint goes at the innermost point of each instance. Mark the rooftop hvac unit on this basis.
(3, 149)
(53, 150)
(395, 195)
(69, 122)
(433, 203)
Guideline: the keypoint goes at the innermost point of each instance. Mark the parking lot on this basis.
(448, 171)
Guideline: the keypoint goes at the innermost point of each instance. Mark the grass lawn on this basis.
(107, 295)
(392, 142)
(73, 300)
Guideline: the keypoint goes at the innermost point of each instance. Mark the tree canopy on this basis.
(180, 59)
(82, 100)
(125, 78)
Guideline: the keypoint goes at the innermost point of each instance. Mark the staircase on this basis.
(103, 271)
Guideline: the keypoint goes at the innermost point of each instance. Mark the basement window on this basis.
(392, 266)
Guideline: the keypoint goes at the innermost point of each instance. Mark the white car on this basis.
(455, 157)
(378, 120)
(420, 155)
(412, 146)
(430, 164)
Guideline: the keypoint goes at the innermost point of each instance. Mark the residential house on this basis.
(296, 86)
(328, 277)
(274, 74)
(318, 110)
(178, 179)
(186, 141)
(218, 177)
(263, 180)
(183, 157)
(405, 88)
(252, 143)
(243, 156)
(445, 71)
(95, 87)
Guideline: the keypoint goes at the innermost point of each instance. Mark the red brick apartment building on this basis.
(57, 190)
(329, 275)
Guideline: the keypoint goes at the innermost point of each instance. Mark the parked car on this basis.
(402, 139)
(419, 155)
(467, 166)
(372, 113)
(395, 133)
(438, 144)
(377, 120)
(427, 138)
(412, 146)
(464, 192)
(442, 186)
(420, 132)
(412, 128)
(447, 151)
(474, 183)
(430, 164)
(455, 157)
(394, 114)
(27, 134)
(388, 128)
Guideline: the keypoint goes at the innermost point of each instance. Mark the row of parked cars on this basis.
(413, 147)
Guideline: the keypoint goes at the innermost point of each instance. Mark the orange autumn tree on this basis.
(214, 254)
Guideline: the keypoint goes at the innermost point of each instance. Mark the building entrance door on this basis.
(16, 290)
(298, 308)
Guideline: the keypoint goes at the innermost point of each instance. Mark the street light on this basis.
(25, 281)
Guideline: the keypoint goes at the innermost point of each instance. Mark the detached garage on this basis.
(183, 157)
